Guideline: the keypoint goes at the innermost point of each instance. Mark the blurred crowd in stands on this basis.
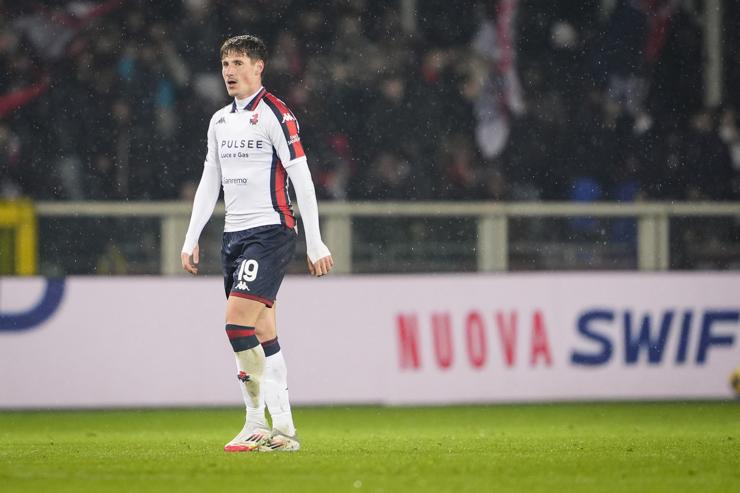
(464, 100)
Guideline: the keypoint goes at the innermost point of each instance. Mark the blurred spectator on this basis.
(335, 169)
(500, 95)
(197, 40)
(389, 178)
(624, 55)
(458, 165)
(287, 58)
(438, 106)
(111, 261)
(10, 149)
(730, 135)
(678, 74)
(391, 119)
(708, 159)
(443, 26)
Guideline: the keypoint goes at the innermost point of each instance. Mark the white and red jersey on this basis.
(252, 146)
(253, 149)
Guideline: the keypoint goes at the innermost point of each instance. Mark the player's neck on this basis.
(242, 101)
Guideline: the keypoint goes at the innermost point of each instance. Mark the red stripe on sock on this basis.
(235, 334)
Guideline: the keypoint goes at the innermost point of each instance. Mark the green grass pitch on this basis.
(671, 447)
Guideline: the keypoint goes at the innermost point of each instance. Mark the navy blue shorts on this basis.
(255, 260)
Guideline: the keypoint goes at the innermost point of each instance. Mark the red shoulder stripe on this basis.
(289, 124)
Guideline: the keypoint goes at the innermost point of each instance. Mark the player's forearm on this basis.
(205, 201)
(300, 176)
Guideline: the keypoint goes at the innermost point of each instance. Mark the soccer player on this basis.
(253, 148)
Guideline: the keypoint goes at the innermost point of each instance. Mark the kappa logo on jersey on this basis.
(254, 119)
(287, 117)
(222, 120)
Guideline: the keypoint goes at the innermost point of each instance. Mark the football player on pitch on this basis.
(253, 148)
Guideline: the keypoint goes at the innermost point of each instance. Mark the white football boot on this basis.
(249, 439)
(280, 442)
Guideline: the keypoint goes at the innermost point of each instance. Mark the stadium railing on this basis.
(420, 236)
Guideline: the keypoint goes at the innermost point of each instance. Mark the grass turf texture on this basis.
(669, 447)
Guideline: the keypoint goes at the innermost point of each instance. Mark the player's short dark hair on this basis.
(246, 44)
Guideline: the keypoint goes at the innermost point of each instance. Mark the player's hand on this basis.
(321, 267)
(190, 262)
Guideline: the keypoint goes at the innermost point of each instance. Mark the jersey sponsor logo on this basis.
(255, 118)
(222, 120)
(234, 181)
(287, 117)
(237, 145)
(242, 144)
(234, 155)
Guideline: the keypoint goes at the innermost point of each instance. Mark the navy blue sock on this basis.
(271, 347)
(241, 337)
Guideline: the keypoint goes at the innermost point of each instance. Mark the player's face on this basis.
(242, 75)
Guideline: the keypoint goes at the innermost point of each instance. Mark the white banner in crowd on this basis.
(434, 339)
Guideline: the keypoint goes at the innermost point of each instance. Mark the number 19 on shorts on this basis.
(247, 273)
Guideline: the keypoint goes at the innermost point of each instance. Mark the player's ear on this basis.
(259, 66)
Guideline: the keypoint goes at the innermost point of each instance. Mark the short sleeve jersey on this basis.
(253, 146)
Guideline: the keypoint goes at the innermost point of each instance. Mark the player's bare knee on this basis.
(265, 332)
(265, 327)
(243, 312)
